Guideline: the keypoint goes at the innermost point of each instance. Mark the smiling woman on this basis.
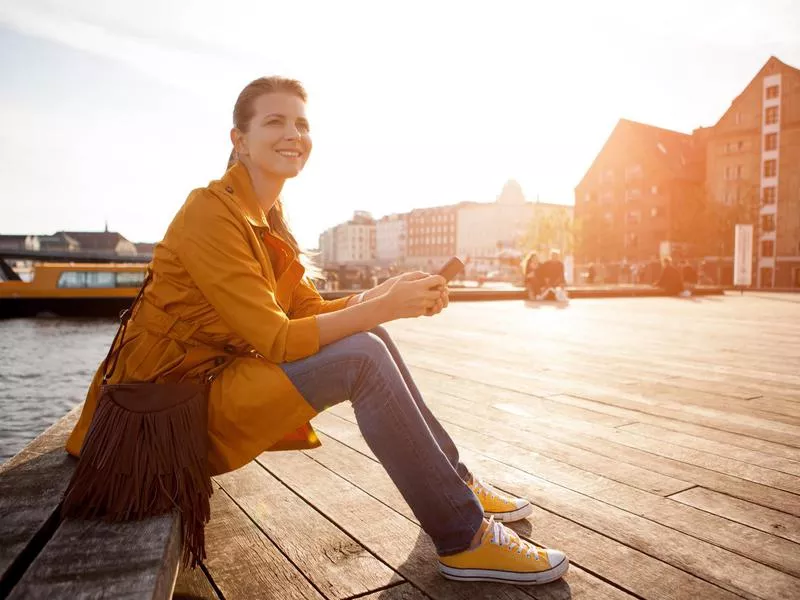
(227, 282)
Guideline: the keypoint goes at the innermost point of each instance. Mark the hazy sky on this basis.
(115, 111)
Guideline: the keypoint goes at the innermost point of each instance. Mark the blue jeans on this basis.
(410, 443)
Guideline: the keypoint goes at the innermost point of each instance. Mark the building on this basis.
(352, 242)
(145, 248)
(29, 243)
(508, 228)
(431, 237)
(101, 241)
(390, 239)
(632, 198)
(327, 247)
(753, 159)
(58, 242)
(484, 229)
(652, 190)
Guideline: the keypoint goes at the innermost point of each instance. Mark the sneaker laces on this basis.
(505, 538)
(484, 490)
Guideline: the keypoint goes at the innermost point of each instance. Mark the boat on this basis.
(65, 289)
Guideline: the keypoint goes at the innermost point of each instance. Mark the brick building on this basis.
(753, 160)
(431, 236)
(650, 185)
(630, 199)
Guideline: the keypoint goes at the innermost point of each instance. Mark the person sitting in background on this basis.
(530, 267)
(689, 274)
(671, 280)
(551, 278)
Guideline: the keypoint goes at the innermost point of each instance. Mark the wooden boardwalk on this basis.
(658, 438)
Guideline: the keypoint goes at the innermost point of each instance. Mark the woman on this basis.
(228, 274)
(530, 269)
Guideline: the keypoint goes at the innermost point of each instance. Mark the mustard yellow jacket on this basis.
(221, 278)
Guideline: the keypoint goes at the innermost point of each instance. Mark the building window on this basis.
(609, 217)
(771, 168)
(634, 217)
(769, 195)
(632, 195)
(767, 222)
(733, 172)
(631, 240)
(772, 92)
(607, 198)
(737, 118)
(771, 115)
(767, 248)
(654, 212)
(654, 190)
(633, 172)
(607, 176)
(771, 141)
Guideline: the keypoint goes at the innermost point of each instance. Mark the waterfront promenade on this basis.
(658, 438)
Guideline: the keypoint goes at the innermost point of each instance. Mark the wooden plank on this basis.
(709, 433)
(746, 455)
(761, 547)
(772, 521)
(393, 538)
(404, 591)
(193, 584)
(490, 394)
(721, 567)
(337, 565)
(93, 559)
(528, 433)
(461, 364)
(31, 486)
(53, 438)
(633, 571)
(244, 563)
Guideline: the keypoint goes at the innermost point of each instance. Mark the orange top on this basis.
(215, 285)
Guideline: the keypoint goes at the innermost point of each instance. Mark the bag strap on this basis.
(124, 316)
(220, 363)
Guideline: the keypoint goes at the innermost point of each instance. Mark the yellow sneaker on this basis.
(503, 557)
(501, 506)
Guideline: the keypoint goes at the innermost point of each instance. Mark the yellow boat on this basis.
(71, 290)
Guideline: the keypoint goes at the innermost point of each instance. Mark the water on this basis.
(46, 366)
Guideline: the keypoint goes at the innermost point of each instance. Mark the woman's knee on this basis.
(366, 347)
(381, 332)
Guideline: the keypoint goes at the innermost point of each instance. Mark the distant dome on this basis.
(511, 194)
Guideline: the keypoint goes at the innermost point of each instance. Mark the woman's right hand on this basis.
(407, 298)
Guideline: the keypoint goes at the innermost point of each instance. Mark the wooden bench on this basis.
(42, 556)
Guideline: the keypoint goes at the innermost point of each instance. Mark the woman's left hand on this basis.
(382, 288)
(441, 303)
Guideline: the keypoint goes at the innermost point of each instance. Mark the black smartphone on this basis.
(451, 268)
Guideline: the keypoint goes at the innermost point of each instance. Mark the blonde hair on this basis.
(243, 112)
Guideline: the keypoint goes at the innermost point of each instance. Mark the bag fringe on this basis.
(135, 465)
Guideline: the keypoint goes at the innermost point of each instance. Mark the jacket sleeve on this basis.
(306, 301)
(214, 249)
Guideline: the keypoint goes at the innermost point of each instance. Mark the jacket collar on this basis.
(236, 182)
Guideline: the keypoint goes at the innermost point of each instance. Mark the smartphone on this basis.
(451, 268)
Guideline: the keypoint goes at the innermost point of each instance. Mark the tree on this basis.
(551, 227)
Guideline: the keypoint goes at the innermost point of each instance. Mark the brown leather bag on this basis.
(146, 452)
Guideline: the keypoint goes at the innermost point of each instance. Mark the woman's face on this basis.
(278, 140)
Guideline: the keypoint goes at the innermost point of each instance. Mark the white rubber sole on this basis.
(552, 574)
(510, 517)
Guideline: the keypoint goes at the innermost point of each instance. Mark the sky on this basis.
(113, 112)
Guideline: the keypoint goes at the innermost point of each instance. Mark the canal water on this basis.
(46, 366)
